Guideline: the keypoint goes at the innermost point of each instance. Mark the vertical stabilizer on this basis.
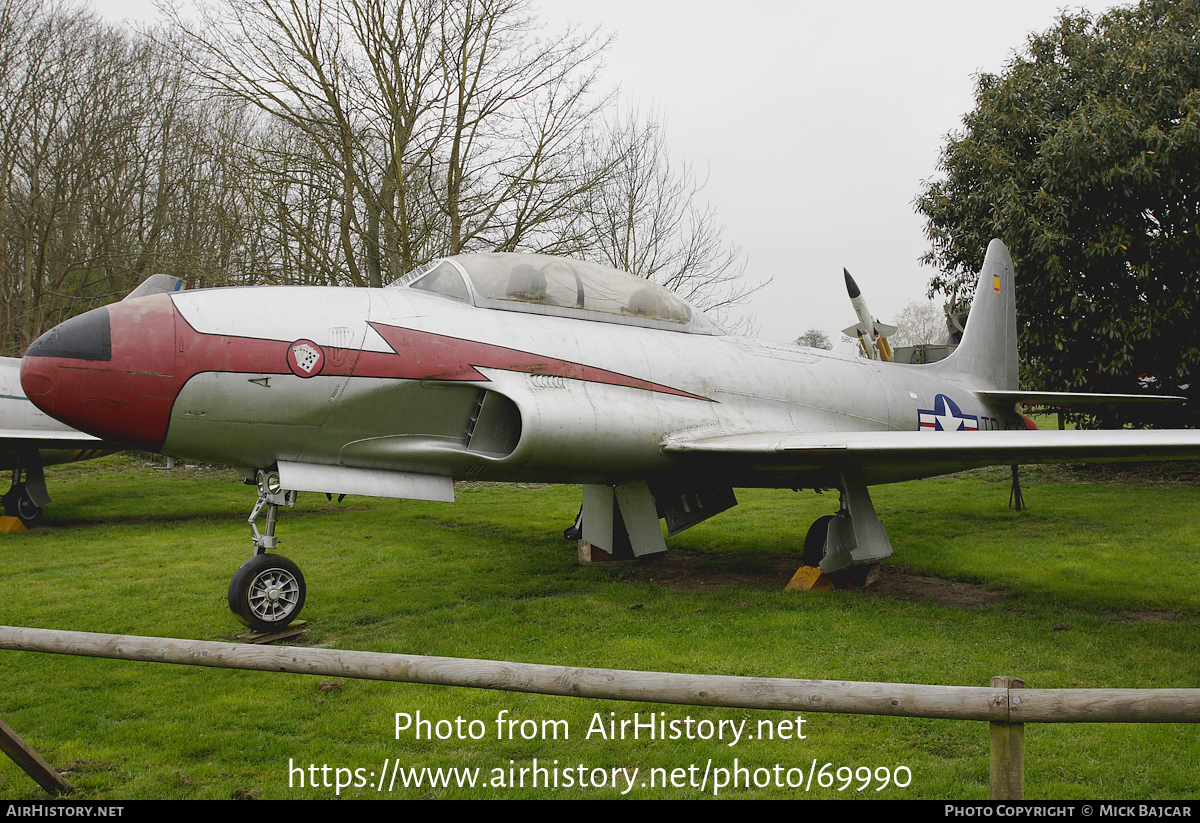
(988, 349)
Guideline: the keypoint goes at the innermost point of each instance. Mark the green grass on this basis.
(1097, 582)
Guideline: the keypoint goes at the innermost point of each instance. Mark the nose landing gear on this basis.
(267, 591)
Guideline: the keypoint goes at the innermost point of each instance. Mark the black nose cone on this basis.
(86, 337)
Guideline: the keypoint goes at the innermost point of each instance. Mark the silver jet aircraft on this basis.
(540, 369)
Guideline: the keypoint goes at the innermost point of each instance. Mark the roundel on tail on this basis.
(945, 416)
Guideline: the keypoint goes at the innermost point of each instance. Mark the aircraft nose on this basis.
(109, 372)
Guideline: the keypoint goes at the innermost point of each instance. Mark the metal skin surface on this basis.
(404, 380)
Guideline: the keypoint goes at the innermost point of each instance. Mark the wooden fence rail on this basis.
(1004, 704)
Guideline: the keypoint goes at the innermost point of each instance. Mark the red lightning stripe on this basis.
(429, 356)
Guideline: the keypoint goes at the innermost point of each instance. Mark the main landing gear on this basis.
(26, 499)
(848, 546)
(267, 591)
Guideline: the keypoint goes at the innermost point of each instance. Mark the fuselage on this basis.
(535, 368)
(404, 380)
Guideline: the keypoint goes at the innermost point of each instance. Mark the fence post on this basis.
(1007, 761)
(32, 763)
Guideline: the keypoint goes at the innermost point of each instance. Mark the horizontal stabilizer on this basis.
(313, 477)
(881, 330)
(1066, 398)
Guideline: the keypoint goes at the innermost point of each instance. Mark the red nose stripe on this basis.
(126, 399)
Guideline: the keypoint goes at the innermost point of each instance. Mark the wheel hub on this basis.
(267, 592)
(273, 595)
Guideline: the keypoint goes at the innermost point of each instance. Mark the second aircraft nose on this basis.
(109, 372)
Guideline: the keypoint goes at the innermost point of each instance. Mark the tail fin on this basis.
(988, 350)
(156, 284)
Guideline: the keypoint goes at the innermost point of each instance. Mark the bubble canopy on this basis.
(556, 286)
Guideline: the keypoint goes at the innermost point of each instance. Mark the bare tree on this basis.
(644, 217)
(815, 339)
(436, 126)
(18, 23)
(348, 142)
(419, 128)
(920, 322)
(72, 101)
(112, 169)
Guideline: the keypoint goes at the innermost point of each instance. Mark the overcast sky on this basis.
(814, 122)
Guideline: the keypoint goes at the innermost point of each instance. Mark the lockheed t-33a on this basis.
(522, 367)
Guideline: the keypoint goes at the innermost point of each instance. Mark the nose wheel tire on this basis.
(267, 592)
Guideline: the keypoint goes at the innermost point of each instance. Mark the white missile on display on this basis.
(868, 330)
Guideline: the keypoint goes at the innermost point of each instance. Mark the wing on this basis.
(889, 456)
(41, 439)
(27, 449)
(1066, 398)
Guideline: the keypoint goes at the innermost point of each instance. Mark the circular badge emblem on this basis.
(305, 358)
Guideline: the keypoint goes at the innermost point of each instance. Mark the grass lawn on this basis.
(1093, 586)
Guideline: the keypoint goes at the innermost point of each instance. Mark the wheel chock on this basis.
(809, 578)
(11, 524)
(593, 554)
(293, 629)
